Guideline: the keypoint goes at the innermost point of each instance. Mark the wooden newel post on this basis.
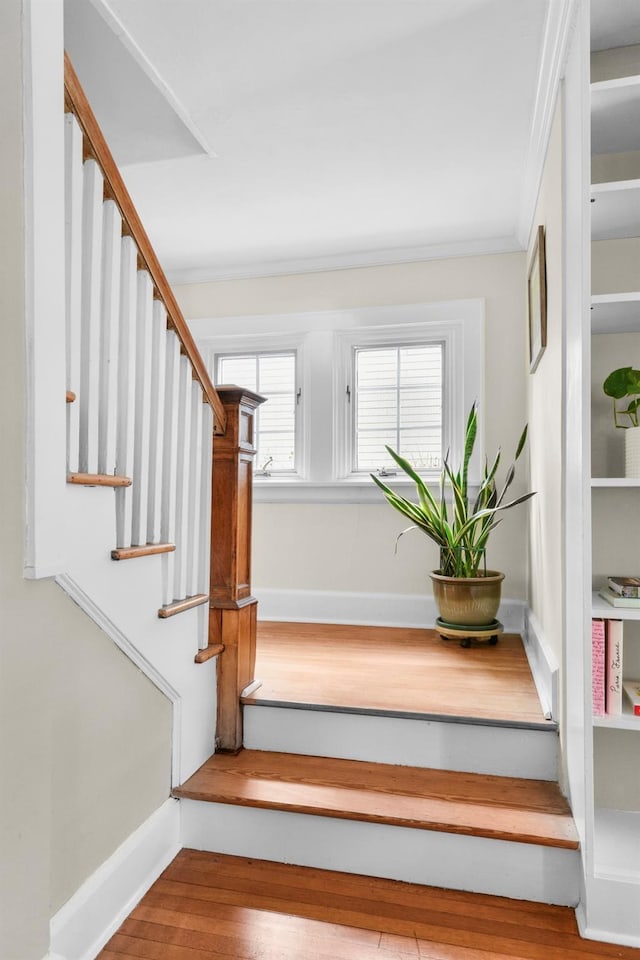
(232, 608)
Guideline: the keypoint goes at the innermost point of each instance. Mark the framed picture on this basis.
(537, 296)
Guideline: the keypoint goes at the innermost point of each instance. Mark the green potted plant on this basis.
(623, 384)
(466, 592)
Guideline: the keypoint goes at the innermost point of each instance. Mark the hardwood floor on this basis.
(212, 907)
(504, 808)
(394, 670)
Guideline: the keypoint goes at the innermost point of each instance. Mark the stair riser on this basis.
(518, 870)
(475, 748)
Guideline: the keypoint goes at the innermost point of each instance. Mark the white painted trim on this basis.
(545, 669)
(381, 609)
(526, 871)
(80, 929)
(85, 603)
(44, 291)
(116, 25)
(349, 260)
(555, 47)
(436, 742)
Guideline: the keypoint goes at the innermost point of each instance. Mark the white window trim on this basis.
(322, 339)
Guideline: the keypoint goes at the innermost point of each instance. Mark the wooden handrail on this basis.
(96, 147)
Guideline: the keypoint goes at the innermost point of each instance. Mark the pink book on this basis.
(614, 667)
(598, 666)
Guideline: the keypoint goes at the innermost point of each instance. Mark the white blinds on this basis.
(397, 401)
(274, 376)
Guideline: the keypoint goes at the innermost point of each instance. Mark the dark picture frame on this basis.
(537, 301)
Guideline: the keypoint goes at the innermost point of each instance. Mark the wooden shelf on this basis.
(600, 608)
(615, 115)
(615, 313)
(615, 210)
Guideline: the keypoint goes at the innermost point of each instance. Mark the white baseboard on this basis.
(543, 664)
(379, 609)
(80, 929)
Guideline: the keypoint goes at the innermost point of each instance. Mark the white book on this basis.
(613, 697)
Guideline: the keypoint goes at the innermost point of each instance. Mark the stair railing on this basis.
(137, 422)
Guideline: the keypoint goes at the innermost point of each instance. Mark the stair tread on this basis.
(506, 808)
(236, 906)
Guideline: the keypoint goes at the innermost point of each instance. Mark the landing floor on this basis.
(394, 671)
(206, 906)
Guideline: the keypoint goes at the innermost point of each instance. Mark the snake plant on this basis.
(460, 527)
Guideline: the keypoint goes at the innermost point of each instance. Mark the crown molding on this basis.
(346, 261)
(559, 28)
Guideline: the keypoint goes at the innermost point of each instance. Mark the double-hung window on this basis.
(273, 375)
(397, 402)
(341, 386)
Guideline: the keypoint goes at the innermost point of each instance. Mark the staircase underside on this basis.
(207, 906)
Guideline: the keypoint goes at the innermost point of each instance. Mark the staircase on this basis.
(148, 556)
(466, 803)
(159, 556)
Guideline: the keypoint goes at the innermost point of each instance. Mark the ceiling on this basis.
(266, 136)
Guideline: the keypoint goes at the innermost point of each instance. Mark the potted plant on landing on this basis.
(467, 594)
(620, 384)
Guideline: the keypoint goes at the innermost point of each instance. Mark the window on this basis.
(397, 401)
(274, 376)
(343, 384)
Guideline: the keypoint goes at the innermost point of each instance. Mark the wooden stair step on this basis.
(503, 808)
(209, 905)
(146, 550)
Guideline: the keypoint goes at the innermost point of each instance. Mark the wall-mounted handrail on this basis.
(95, 146)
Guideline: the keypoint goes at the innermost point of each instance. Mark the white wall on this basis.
(545, 414)
(350, 547)
(59, 815)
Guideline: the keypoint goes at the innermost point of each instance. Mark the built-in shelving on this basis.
(615, 209)
(615, 115)
(616, 312)
(617, 844)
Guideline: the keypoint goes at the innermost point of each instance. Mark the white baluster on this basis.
(156, 428)
(125, 408)
(88, 399)
(182, 481)
(109, 334)
(143, 404)
(73, 259)
(169, 461)
(195, 482)
(204, 512)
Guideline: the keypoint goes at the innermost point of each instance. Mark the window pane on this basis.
(277, 374)
(398, 401)
(242, 371)
(273, 375)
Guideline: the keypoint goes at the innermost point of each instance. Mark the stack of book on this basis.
(622, 591)
(606, 659)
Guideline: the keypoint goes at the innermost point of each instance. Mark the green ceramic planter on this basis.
(471, 601)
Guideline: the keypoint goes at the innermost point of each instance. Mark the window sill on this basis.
(350, 490)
